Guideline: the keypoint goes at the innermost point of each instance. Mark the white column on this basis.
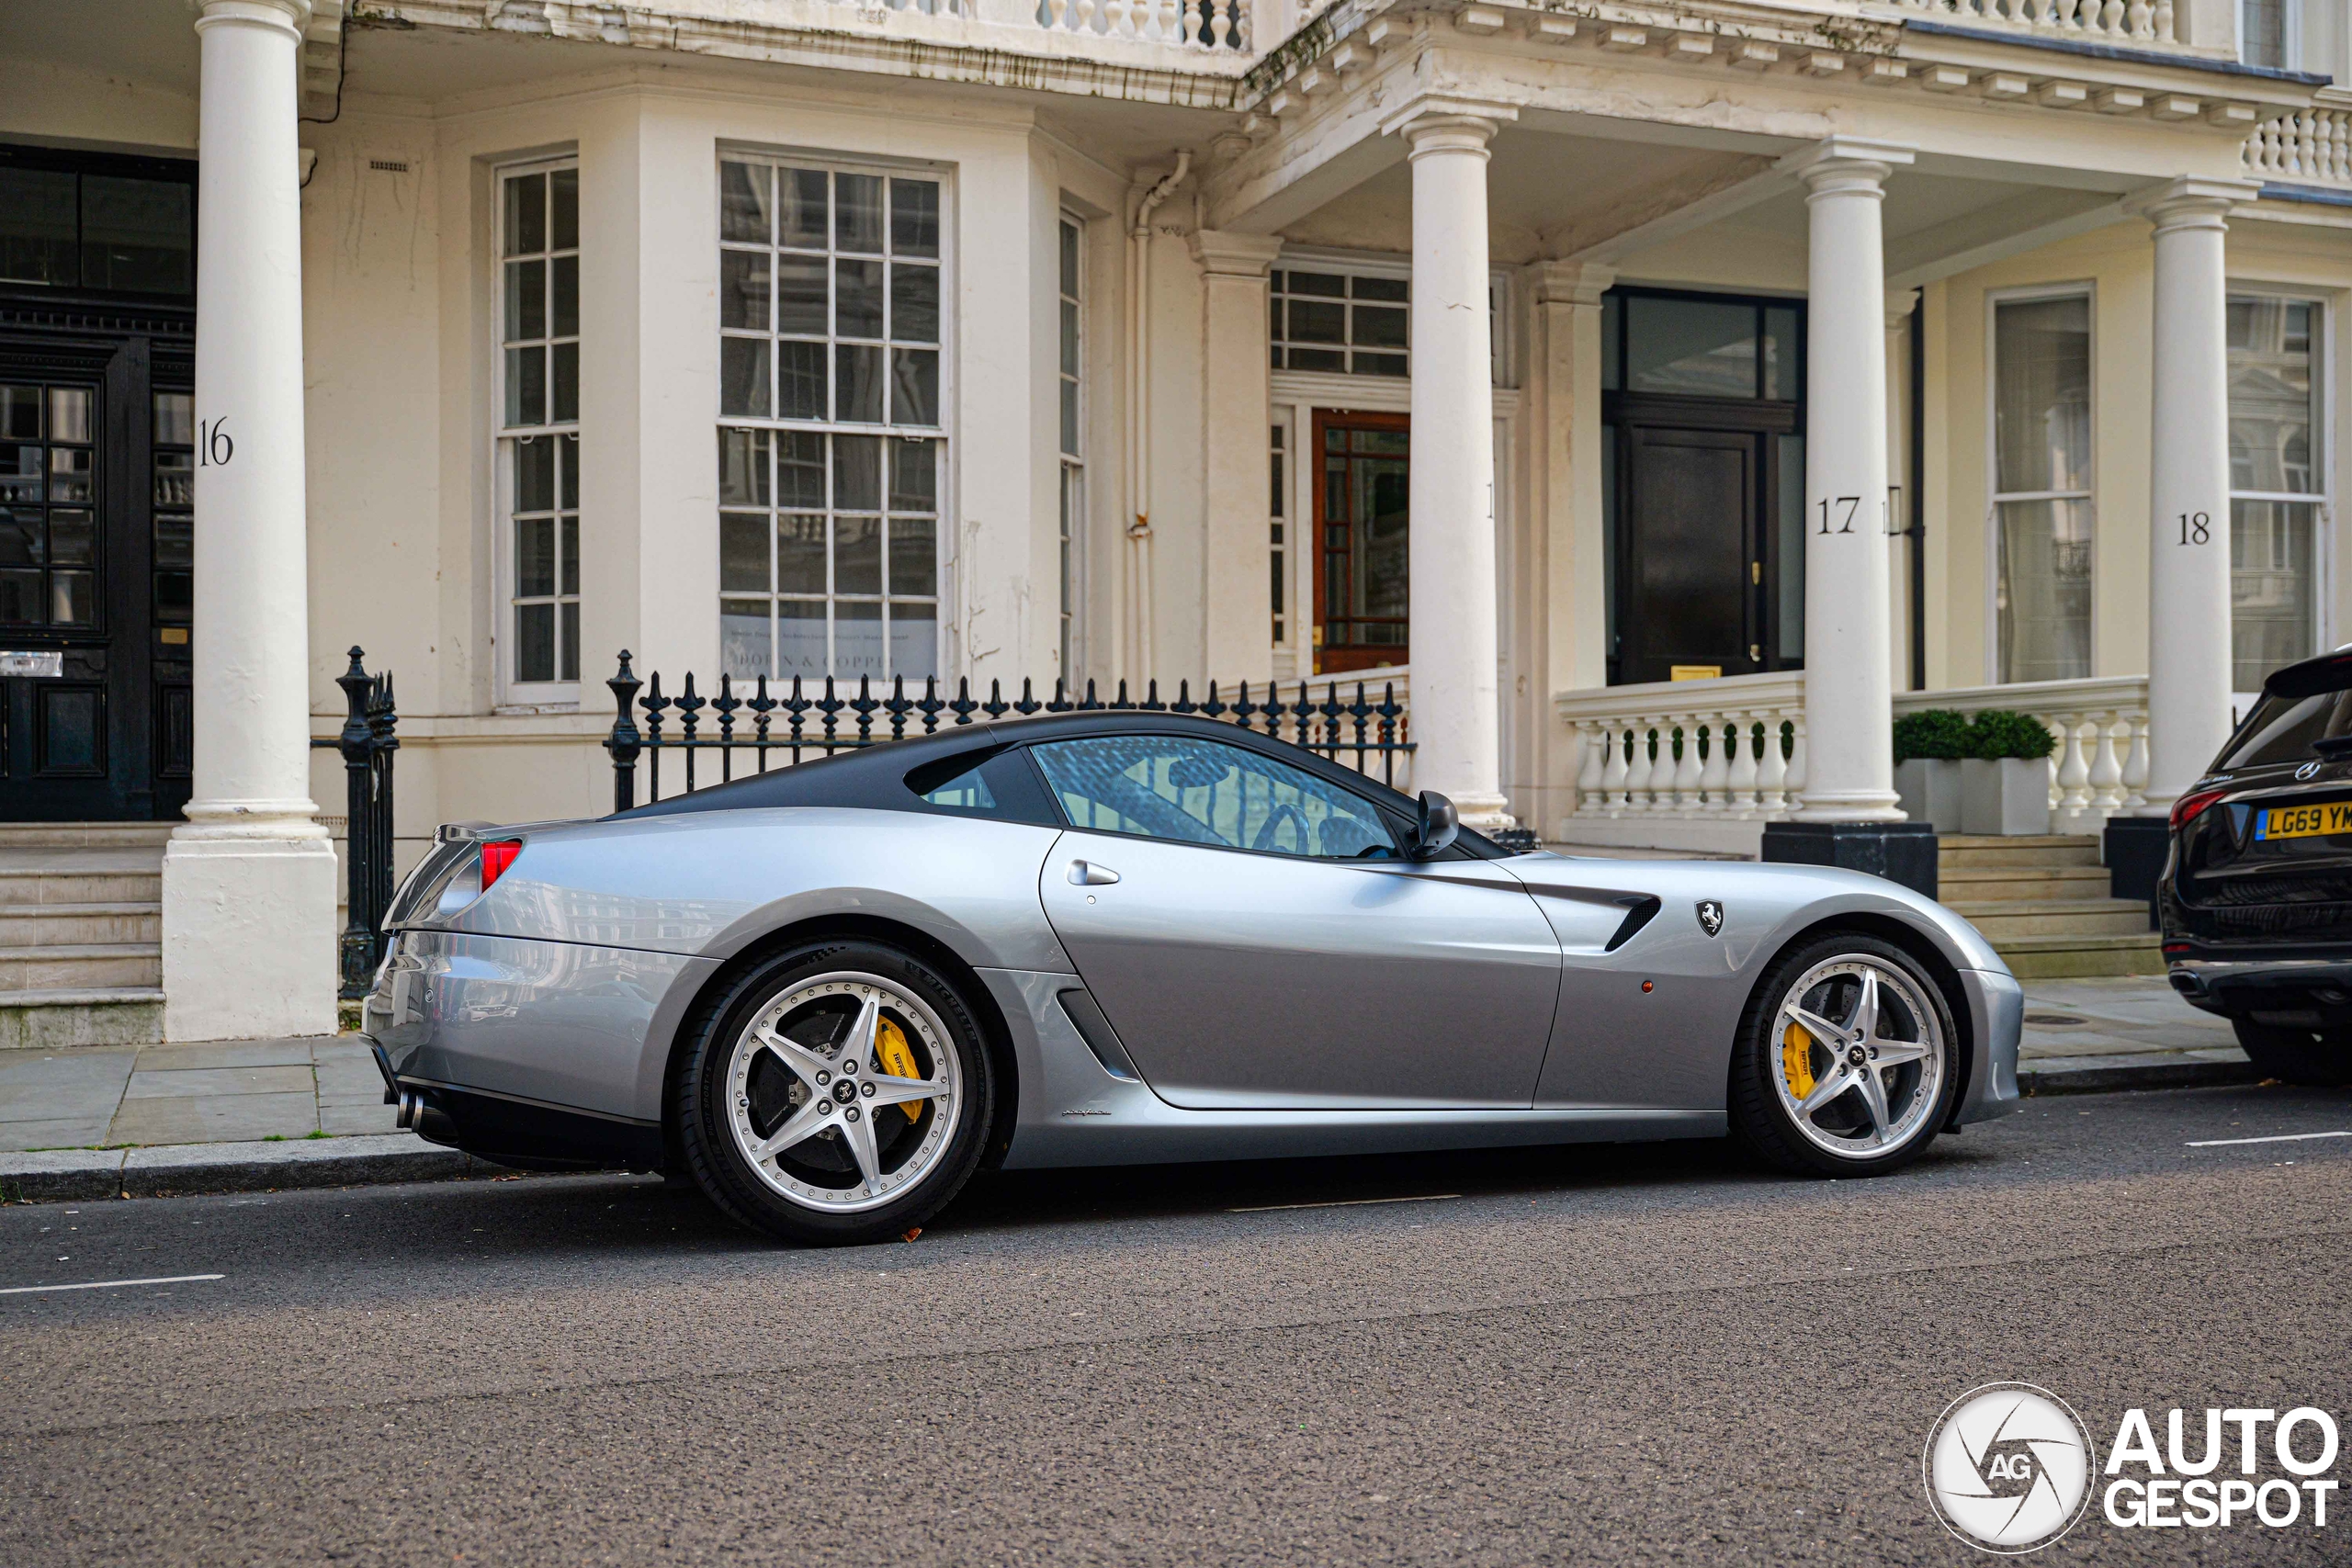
(1236, 618)
(249, 879)
(1848, 692)
(1456, 718)
(2188, 545)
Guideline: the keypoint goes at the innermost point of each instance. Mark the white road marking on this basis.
(110, 1284)
(1343, 1203)
(2280, 1138)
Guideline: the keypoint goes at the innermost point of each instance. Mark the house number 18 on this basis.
(2196, 528)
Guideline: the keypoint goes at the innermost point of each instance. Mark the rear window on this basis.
(2281, 728)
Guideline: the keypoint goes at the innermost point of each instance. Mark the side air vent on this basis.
(1640, 911)
(1095, 1029)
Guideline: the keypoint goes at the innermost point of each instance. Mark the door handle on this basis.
(1086, 874)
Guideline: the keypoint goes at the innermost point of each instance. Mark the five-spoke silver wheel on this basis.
(844, 1091)
(1862, 1055)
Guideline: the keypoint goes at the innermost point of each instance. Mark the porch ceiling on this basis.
(1625, 203)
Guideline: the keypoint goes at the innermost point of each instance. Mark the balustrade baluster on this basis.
(2074, 774)
(1616, 772)
(1190, 38)
(1641, 767)
(1715, 776)
(1687, 769)
(1800, 764)
(1771, 766)
(1593, 746)
(2107, 767)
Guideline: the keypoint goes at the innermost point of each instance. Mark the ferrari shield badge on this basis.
(1711, 917)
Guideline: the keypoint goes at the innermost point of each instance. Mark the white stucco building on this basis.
(1755, 369)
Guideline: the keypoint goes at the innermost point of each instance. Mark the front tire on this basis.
(1846, 1063)
(836, 1093)
(2311, 1057)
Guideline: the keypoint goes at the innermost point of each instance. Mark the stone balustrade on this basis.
(2310, 147)
(1704, 764)
(2141, 22)
(1180, 23)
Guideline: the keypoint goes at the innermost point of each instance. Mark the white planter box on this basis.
(1929, 788)
(2007, 797)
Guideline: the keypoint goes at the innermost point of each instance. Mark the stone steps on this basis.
(81, 933)
(2042, 902)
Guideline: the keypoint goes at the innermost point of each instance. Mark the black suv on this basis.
(2256, 895)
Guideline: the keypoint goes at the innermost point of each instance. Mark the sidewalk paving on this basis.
(249, 1114)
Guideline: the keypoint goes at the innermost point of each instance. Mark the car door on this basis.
(1257, 939)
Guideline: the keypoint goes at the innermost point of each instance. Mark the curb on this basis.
(2107, 1075)
(176, 1169)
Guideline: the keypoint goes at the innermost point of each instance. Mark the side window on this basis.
(1203, 791)
(992, 783)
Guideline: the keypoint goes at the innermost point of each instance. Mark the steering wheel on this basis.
(1263, 839)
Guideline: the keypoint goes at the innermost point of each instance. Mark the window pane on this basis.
(563, 391)
(69, 538)
(174, 418)
(1205, 792)
(800, 637)
(801, 308)
(2272, 572)
(568, 641)
(563, 201)
(526, 300)
(37, 230)
(1789, 524)
(21, 597)
(914, 639)
(743, 637)
(857, 640)
(914, 387)
(799, 554)
(1317, 359)
(857, 555)
(914, 550)
(742, 468)
(2041, 395)
(2273, 401)
(914, 218)
(801, 380)
(564, 319)
(1379, 327)
(857, 386)
(535, 475)
(742, 552)
(568, 542)
(857, 212)
(1692, 346)
(534, 556)
(73, 598)
(1069, 418)
(743, 376)
(743, 201)
(857, 299)
(1069, 259)
(2263, 40)
(20, 413)
(743, 290)
(22, 536)
(1381, 364)
(801, 208)
(1070, 338)
(526, 214)
(2043, 595)
(1393, 288)
(534, 642)
(69, 473)
(1328, 285)
(857, 473)
(527, 386)
(68, 414)
(138, 235)
(914, 476)
(1782, 351)
(800, 468)
(21, 473)
(568, 485)
(175, 478)
(914, 304)
(1313, 321)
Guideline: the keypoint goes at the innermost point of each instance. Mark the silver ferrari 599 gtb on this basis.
(830, 993)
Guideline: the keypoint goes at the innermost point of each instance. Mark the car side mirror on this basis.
(1438, 825)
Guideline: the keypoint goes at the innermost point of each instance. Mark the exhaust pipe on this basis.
(2188, 983)
(412, 1108)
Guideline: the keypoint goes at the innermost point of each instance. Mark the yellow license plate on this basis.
(2305, 821)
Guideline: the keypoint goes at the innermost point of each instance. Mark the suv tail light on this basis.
(2184, 811)
(497, 854)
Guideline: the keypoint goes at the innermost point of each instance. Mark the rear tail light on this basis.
(2186, 809)
(496, 856)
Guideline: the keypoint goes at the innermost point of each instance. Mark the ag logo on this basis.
(2008, 1466)
(1711, 916)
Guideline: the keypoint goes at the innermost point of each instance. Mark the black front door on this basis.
(1690, 549)
(95, 481)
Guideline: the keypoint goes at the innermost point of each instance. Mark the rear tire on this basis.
(2318, 1058)
(835, 1094)
(1780, 1066)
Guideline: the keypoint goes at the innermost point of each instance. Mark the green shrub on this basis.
(1997, 733)
(1938, 734)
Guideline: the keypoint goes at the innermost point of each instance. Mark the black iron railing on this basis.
(763, 730)
(366, 742)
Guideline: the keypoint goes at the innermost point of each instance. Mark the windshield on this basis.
(2281, 729)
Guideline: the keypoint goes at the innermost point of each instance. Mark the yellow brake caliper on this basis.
(898, 1060)
(1796, 1060)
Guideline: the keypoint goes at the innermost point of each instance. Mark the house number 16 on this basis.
(213, 447)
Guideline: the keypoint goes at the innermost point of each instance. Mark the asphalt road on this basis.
(1593, 1355)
